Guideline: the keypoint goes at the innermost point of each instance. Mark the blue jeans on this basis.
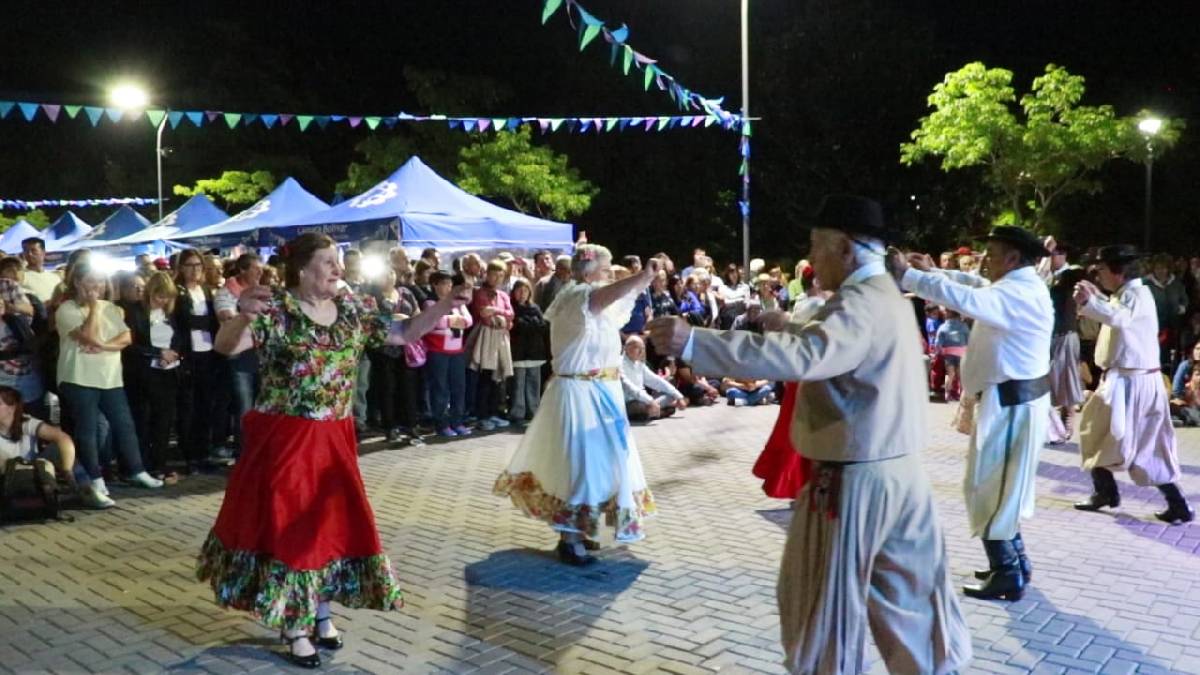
(361, 387)
(751, 398)
(243, 370)
(85, 405)
(526, 393)
(446, 374)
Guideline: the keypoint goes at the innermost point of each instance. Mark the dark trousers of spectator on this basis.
(446, 374)
(489, 395)
(243, 374)
(396, 387)
(526, 393)
(471, 394)
(86, 404)
(152, 401)
(199, 416)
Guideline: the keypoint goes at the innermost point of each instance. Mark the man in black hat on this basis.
(1127, 423)
(864, 538)
(1006, 367)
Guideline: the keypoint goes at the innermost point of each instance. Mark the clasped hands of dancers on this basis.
(856, 420)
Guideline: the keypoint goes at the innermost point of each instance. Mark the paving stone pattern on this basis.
(115, 591)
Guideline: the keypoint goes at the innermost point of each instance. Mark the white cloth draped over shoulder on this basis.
(577, 460)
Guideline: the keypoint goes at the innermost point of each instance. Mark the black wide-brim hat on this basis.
(1019, 238)
(854, 215)
(1116, 254)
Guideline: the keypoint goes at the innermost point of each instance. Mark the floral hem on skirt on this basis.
(287, 598)
(528, 495)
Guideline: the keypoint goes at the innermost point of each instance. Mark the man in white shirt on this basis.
(1127, 423)
(37, 280)
(1006, 366)
(866, 539)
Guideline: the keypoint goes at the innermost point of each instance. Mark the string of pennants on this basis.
(24, 205)
(198, 118)
(589, 28)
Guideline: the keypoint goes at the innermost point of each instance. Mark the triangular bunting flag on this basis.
(372, 122)
(663, 122)
(650, 70)
(628, 58)
(623, 123)
(72, 110)
(29, 110)
(5, 107)
(155, 116)
(610, 123)
(515, 123)
(454, 124)
(212, 115)
(232, 119)
(588, 34)
(612, 59)
(659, 81)
(323, 120)
(304, 121)
(284, 118)
(483, 125)
(195, 117)
(175, 117)
(549, 9)
(544, 124)
(354, 121)
(555, 123)
(708, 121)
(51, 111)
(132, 115)
(113, 114)
(269, 120)
(650, 122)
(249, 118)
(620, 35)
(499, 124)
(336, 118)
(390, 122)
(93, 114)
(571, 126)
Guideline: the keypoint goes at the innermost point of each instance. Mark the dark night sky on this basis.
(348, 58)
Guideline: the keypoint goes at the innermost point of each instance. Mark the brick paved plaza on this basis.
(115, 591)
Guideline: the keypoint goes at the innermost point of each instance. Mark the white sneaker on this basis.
(500, 422)
(146, 480)
(93, 499)
(739, 402)
(99, 486)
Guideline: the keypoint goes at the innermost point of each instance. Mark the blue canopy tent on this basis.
(196, 213)
(427, 210)
(10, 241)
(65, 230)
(286, 202)
(122, 223)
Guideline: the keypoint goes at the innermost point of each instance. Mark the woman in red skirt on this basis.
(295, 531)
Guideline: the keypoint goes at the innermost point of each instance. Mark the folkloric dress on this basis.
(295, 528)
(577, 460)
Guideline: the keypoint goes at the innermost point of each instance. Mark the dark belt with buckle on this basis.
(1016, 392)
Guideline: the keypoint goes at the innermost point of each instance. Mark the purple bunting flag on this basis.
(51, 111)
(354, 121)
(284, 118)
(212, 115)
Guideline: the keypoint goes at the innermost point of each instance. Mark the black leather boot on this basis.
(1104, 492)
(1178, 511)
(1005, 582)
(1026, 566)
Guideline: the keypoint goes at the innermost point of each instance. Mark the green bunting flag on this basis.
(498, 123)
(232, 119)
(650, 70)
(549, 8)
(372, 122)
(610, 123)
(628, 58)
(72, 110)
(155, 116)
(304, 121)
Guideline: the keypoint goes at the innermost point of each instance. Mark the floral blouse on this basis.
(308, 370)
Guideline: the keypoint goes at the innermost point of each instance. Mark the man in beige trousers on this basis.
(864, 544)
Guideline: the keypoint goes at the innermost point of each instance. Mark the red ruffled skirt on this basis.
(782, 470)
(295, 527)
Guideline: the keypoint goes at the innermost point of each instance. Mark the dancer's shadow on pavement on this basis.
(1036, 632)
(782, 517)
(524, 608)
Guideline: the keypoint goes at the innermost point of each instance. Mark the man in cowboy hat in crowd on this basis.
(1127, 423)
(1006, 366)
(864, 539)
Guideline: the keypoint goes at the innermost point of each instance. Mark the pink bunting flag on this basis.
(284, 118)
(642, 58)
(354, 122)
(650, 121)
(483, 125)
(697, 120)
(212, 114)
(544, 124)
(51, 111)
(599, 124)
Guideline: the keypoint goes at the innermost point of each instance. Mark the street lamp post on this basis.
(746, 120)
(1149, 128)
(133, 97)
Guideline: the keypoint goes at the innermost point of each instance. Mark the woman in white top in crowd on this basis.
(92, 333)
(153, 363)
(203, 370)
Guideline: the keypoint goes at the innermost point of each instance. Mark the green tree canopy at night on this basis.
(36, 218)
(1033, 154)
(531, 177)
(233, 188)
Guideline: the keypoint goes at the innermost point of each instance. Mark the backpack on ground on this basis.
(29, 491)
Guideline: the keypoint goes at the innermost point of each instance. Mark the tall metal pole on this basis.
(746, 120)
(1149, 199)
(158, 155)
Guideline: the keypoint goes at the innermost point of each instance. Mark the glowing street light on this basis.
(132, 97)
(1149, 126)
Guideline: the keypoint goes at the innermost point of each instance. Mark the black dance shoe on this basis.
(330, 643)
(311, 661)
(1098, 501)
(567, 554)
(1176, 514)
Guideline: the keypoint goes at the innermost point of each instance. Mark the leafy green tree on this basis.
(234, 188)
(531, 177)
(1054, 149)
(36, 218)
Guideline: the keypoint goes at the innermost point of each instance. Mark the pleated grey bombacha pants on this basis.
(865, 546)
